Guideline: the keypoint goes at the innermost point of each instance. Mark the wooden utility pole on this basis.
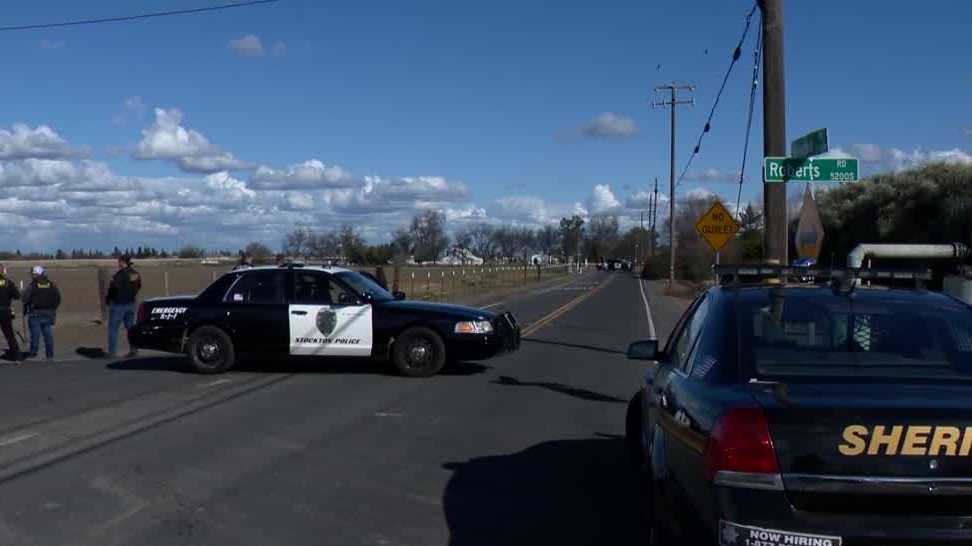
(774, 130)
(673, 88)
(654, 216)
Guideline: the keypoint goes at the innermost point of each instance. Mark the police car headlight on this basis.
(474, 327)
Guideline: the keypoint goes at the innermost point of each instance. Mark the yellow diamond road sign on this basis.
(717, 226)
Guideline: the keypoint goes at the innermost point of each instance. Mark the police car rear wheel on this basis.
(211, 350)
(419, 352)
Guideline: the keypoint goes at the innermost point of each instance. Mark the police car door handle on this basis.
(298, 312)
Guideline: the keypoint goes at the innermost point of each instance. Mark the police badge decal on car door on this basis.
(328, 320)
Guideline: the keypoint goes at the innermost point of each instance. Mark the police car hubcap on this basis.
(209, 350)
(419, 352)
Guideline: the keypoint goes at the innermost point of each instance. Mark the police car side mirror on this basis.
(643, 350)
(399, 295)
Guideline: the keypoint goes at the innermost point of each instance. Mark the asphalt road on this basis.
(522, 449)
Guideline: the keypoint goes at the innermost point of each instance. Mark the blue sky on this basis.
(487, 110)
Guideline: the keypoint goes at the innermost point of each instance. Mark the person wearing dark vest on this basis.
(121, 296)
(8, 293)
(41, 300)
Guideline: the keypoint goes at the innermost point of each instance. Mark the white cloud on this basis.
(523, 208)
(868, 153)
(41, 142)
(699, 193)
(309, 175)
(602, 200)
(712, 175)
(279, 49)
(471, 213)
(50, 44)
(609, 124)
(248, 46)
(643, 199)
(901, 160)
(385, 195)
(167, 139)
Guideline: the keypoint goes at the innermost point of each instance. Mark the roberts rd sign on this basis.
(803, 169)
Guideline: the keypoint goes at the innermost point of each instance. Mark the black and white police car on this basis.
(309, 311)
(794, 414)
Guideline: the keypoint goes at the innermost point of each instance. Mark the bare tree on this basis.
(571, 234)
(524, 240)
(481, 240)
(602, 235)
(324, 245)
(258, 251)
(352, 244)
(296, 242)
(428, 235)
(504, 241)
(402, 242)
(548, 240)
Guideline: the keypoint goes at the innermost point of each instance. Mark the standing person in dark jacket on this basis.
(8, 293)
(41, 300)
(122, 291)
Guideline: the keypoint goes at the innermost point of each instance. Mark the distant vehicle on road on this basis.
(783, 413)
(323, 312)
(613, 264)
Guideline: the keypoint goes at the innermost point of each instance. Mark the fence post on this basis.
(428, 283)
(442, 286)
(412, 290)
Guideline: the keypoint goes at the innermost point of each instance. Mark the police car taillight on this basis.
(141, 313)
(740, 451)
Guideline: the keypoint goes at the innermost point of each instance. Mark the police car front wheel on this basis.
(210, 350)
(419, 352)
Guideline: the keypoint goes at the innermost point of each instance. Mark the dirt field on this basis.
(80, 318)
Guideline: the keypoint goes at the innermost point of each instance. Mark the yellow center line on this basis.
(563, 309)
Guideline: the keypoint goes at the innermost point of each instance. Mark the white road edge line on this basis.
(20, 438)
(214, 383)
(651, 323)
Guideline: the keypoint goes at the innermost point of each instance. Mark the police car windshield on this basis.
(363, 285)
(824, 335)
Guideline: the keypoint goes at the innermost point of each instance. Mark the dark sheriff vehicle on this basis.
(311, 311)
(784, 413)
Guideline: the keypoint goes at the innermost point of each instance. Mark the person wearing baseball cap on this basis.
(41, 300)
(122, 293)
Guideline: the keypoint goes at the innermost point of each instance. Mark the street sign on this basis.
(717, 226)
(812, 143)
(810, 232)
(801, 169)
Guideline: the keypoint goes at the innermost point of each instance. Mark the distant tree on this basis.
(571, 235)
(751, 234)
(296, 243)
(524, 241)
(602, 236)
(481, 240)
(190, 252)
(258, 251)
(463, 238)
(60, 255)
(504, 242)
(352, 244)
(548, 240)
(428, 235)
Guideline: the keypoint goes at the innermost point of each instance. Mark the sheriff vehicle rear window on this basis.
(816, 333)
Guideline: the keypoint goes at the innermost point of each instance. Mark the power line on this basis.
(708, 122)
(135, 17)
(749, 120)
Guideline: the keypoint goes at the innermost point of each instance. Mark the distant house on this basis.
(460, 256)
